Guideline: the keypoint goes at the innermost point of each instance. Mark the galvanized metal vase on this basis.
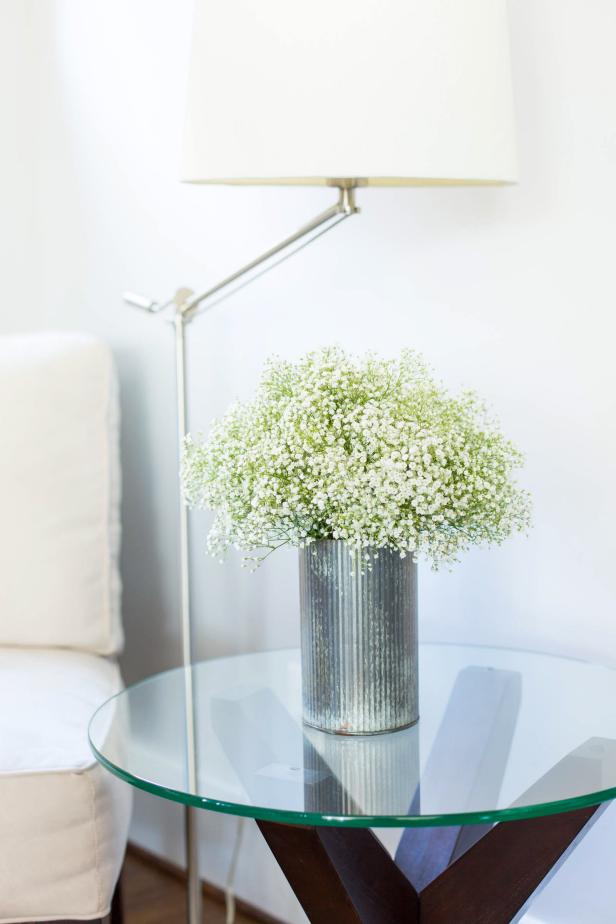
(359, 639)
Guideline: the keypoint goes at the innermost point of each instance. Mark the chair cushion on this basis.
(63, 819)
(59, 493)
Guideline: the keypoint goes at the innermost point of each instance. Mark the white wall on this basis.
(18, 127)
(508, 290)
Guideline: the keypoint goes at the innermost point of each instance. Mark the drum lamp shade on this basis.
(381, 92)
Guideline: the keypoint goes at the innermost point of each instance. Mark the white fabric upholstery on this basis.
(59, 494)
(63, 818)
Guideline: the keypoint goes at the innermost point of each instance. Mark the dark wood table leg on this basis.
(342, 875)
(345, 876)
(468, 758)
(492, 881)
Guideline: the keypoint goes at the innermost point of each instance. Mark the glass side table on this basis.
(503, 736)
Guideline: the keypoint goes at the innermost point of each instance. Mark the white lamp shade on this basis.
(385, 92)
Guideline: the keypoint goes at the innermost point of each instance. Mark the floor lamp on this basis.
(347, 94)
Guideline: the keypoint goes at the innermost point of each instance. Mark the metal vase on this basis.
(358, 638)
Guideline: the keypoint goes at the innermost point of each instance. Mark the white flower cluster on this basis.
(368, 450)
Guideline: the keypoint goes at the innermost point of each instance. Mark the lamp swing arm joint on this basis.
(343, 208)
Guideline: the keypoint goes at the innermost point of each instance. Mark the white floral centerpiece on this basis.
(364, 464)
(371, 451)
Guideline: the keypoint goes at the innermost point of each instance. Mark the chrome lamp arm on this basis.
(188, 305)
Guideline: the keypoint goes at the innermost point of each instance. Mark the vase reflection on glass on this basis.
(378, 775)
(358, 638)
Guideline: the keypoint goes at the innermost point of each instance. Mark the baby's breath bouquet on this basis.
(368, 450)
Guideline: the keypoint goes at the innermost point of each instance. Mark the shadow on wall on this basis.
(150, 559)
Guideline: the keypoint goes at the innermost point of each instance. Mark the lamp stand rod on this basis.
(186, 306)
(194, 903)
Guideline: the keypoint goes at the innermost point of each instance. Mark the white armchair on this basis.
(63, 819)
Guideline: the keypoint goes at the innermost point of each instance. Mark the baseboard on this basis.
(209, 890)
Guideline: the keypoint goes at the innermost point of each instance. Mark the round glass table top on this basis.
(502, 734)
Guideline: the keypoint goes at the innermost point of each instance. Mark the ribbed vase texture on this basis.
(358, 638)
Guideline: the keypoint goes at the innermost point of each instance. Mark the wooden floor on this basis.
(152, 895)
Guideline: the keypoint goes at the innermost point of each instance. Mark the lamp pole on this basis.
(191, 833)
(185, 306)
